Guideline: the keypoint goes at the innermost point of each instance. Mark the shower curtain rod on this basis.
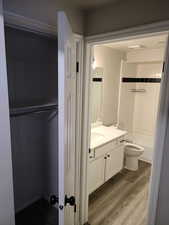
(32, 109)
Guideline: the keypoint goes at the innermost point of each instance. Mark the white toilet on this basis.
(132, 154)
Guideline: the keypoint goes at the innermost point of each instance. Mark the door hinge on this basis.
(77, 67)
(71, 201)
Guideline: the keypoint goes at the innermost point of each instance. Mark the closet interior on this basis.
(32, 83)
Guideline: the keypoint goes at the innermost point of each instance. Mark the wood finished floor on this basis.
(123, 200)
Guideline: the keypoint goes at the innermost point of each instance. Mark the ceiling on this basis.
(57, 4)
(45, 10)
(145, 43)
(90, 4)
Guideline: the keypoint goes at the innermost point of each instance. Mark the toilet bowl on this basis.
(132, 154)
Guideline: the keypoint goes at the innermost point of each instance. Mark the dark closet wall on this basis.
(34, 157)
(32, 80)
(32, 68)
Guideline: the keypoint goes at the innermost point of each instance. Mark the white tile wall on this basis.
(138, 111)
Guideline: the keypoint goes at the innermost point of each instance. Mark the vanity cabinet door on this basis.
(96, 174)
(114, 162)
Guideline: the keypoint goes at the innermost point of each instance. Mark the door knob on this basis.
(71, 201)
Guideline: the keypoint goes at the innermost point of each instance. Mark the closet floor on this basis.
(39, 213)
(123, 200)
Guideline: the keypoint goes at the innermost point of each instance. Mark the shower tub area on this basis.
(139, 98)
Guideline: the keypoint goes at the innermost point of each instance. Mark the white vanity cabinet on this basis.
(104, 162)
(96, 174)
(114, 162)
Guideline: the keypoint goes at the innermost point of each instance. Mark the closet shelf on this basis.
(20, 111)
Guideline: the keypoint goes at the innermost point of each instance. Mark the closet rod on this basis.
(32, 109)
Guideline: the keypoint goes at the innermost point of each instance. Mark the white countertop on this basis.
(102, 134)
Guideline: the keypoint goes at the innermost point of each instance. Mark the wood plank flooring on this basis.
(123, 200)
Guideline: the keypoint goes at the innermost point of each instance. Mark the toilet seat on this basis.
(129, 147)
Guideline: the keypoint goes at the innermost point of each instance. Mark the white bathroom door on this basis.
(67, 112)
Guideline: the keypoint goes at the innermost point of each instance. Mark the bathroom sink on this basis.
(102, 134)
(96, 136)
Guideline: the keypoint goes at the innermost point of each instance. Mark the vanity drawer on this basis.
(102, 150)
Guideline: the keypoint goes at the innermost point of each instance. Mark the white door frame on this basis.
(79, 83)
(7, 215)
(90, 41)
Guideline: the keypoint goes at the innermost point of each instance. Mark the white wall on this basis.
(110, 61)
(145, 55)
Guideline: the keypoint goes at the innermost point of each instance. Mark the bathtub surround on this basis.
(140, 90)
(140, 80)
(142, 123)
(126, 101)
(145, 55)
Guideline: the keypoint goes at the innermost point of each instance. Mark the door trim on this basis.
(7, 212)
(141, 31)
(125, 34)
(79, 82)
